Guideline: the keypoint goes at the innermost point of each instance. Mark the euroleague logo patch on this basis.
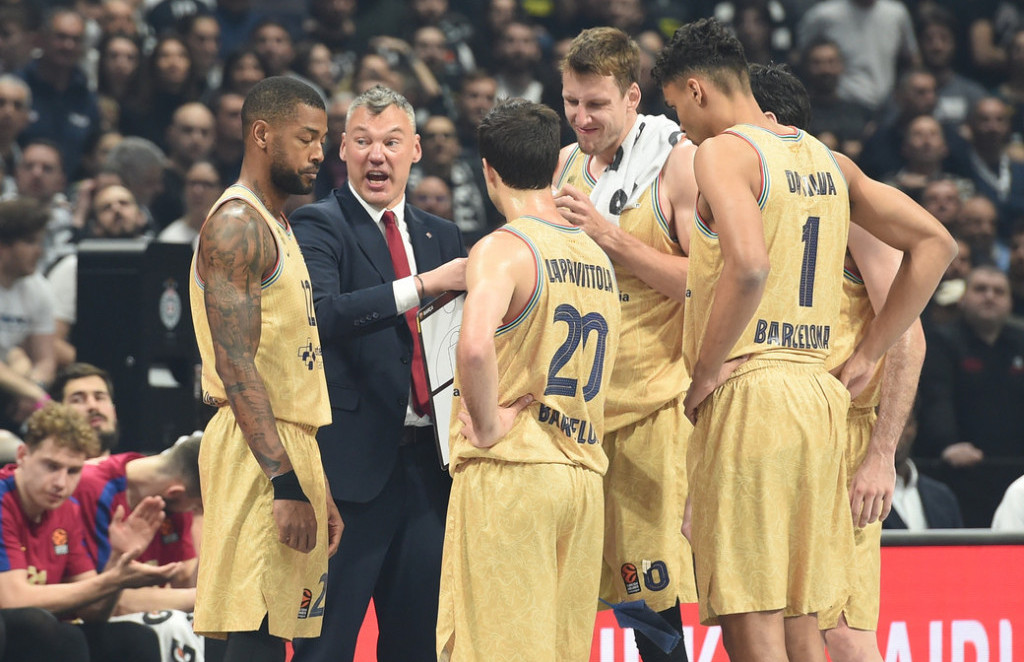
(307, 598)
(310, 608)
(654, 575)
(631, 578)
(59, 537)
(167, 533)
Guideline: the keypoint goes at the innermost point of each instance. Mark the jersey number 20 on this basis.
(580, 328)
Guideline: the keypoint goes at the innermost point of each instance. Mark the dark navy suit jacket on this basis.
(941, 508)
(367, 345)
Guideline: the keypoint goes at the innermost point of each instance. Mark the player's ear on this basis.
(696, 90)
(770, 115)
(175, 491)
(260, 130)
(633, 96)
(490, 174)
(21, 453)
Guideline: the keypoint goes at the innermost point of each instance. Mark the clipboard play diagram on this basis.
(439, 324)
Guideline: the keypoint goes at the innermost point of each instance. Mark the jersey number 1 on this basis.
(580, 327)
(810, 239)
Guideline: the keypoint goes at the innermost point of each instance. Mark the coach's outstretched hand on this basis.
(449, 276)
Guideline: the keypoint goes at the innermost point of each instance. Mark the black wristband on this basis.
(286, 486)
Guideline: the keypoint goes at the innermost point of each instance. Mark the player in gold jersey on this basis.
(870, 268)
(644, 232)
(269, 522)
(522, 552)
(765, 461)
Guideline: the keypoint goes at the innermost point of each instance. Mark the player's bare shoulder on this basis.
(678, 192)
(862, 189)
(850, 169)
(727, 159)
(500, 247)
(679, 163)
(563, 157)
(235, 237)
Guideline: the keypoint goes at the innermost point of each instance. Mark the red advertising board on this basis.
(939, 604)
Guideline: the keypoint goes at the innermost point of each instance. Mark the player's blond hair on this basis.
(605, 51)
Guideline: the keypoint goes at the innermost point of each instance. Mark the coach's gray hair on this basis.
(17, 81)
(377, 99)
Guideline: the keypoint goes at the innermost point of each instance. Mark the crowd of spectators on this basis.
(122, 119)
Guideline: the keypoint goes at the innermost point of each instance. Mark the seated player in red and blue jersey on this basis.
(43, 559)
(122, 481)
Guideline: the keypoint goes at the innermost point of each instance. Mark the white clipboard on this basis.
(439, 323)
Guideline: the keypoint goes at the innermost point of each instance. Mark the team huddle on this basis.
(754, 288)
(668, 331)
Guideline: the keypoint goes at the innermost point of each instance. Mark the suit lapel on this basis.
(368, 236)
(933, 515)
(425, 245)
(894, 521)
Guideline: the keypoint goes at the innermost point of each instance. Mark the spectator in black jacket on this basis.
(972, 390)
(972, 383)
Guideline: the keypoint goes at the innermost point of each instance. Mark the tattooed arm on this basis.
(235, 251)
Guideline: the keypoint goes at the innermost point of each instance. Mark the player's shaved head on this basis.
(273, 99)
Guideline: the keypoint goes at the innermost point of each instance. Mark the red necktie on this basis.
(400, 261)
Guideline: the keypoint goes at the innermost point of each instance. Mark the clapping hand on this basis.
(137, 530)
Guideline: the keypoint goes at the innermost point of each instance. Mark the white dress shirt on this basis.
(906, 501)
(406, 293)
(1009, 515)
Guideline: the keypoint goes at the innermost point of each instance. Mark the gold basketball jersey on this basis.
(805, 210)
(560, 348)
(855, 313)
(289, 356)
(649, 369)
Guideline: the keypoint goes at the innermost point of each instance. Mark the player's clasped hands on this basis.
(962, 454)
(133, 574)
